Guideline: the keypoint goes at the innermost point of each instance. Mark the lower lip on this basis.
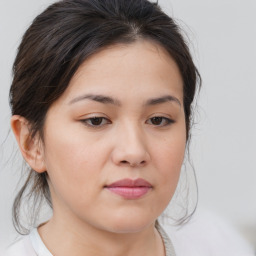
(130, 192)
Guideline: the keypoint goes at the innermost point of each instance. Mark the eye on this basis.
(95, 121)
(160, 121)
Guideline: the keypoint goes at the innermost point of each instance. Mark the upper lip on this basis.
(130, 183)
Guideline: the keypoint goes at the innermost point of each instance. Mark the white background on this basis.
(223, 43)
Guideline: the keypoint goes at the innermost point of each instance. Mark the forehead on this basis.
(143, 66)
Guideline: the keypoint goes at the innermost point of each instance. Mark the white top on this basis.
(204, 235)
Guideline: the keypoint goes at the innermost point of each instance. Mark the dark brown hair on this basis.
(61, 38)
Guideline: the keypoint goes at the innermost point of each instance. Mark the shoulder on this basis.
(206, 234)
(21, 247)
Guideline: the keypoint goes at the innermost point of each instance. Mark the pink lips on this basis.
(130, 189)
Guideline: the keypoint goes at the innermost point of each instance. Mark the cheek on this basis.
(70, 148)
(168, 158)
(73, 163)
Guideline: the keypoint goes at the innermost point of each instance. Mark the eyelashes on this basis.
(96, 121)
(99, 122)
(160, 121)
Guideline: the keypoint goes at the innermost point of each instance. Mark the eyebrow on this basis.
(109, 100)
(163, 99)
(97, 97)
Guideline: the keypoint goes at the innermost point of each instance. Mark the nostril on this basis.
(133, 164)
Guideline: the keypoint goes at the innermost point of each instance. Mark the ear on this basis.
(31, 148)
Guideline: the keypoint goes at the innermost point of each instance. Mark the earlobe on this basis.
(31, 148)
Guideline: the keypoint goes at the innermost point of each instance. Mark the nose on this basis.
(130, 148)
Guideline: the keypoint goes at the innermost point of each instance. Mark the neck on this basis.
(78, 238)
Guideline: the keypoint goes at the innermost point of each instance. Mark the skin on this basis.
(81, 158)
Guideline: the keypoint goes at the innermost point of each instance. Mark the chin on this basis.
(130, 224)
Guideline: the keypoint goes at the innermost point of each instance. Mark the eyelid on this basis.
(169, 120)
(161, 114)
(85, 121)
(88, 119)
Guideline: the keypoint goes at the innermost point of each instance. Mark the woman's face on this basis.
(114, 142)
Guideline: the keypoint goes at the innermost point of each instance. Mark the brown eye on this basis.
(95, 121)
(156, 120)
(160, 121)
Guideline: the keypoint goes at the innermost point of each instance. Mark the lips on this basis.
(130, 189)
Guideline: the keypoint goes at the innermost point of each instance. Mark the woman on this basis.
(102, 101)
